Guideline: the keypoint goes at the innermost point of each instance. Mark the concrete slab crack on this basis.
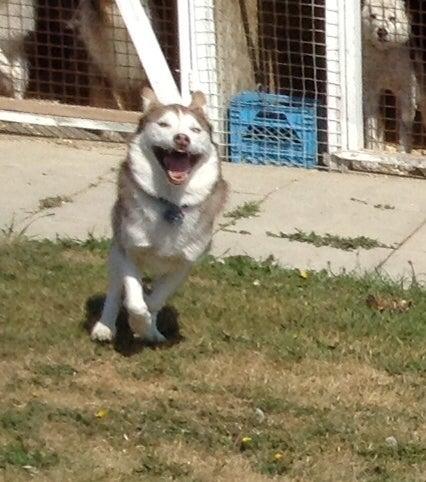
(400, 245)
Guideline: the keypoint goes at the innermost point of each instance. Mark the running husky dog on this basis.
(104, 33)
(388, 66)
(17, 20)
(170, 191)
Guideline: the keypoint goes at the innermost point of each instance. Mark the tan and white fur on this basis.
(112, 52)
(387, 65)
(171, 161)
(17, 20)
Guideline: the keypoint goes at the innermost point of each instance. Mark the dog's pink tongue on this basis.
(177, 166)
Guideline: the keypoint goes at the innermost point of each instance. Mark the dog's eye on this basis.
(373, 16)
(163, 124)
(392, 19)
(197, 130)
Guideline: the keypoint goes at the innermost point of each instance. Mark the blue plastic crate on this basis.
(273, 129)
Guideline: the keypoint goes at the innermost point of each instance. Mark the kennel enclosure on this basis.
(298, 62)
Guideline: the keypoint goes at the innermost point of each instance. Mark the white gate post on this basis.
(185, 48)
(149, 50)
(204, 74)
(344, 75)
(351, 58)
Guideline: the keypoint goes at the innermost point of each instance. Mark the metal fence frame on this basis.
(198, 70)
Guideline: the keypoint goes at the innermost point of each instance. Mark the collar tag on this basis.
(174, 215)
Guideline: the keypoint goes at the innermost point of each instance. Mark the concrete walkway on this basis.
(390, 210)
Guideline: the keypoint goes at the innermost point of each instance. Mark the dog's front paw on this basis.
(101, 332)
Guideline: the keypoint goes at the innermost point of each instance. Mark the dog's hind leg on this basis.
(6, 71)
(105, 329)
(165, 286)
(374, 128)
(19, 77)
(406, 106)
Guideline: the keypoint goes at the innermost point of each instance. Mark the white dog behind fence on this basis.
(17, 20)
(387, 65)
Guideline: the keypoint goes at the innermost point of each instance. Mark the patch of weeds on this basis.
(245, 267)
(91, 244)
(332, 240)
(51, 202)
(361, 201)
(157, 367)
(378, 473)
(247, 210)
(9, 230)
(154, 465)
(56, 371)
(376, 206)
(188, 422)
(24, 423)
(263, 397)
(392, 304)
(271, 451)
(70, 415)
(21, 421)
(410, 453)
(394, 366)
(16, 454)
(15, 232)
(384, 206)
(235, 231)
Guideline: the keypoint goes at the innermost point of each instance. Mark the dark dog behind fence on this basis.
(59, 63)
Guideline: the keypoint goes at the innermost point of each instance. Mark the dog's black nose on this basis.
(382, 33)
(182, 141)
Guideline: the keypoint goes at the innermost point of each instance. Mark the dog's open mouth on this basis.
(177, 164)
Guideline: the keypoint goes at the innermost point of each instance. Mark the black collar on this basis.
(173, 214)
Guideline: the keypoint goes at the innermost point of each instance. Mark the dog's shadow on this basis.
(125, 343)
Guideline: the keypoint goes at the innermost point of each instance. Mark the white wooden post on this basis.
(204, 73)
(185, 51)
(344, 75)
(351, 61)
(149, 50)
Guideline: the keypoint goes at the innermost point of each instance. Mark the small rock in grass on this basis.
(391, 442)
(260, 415)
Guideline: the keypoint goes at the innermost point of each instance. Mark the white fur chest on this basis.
(146, 229)
(390, 69)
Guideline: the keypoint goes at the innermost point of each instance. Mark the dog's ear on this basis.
(198, 102)
(149, 99)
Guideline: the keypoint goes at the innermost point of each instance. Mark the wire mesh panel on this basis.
(394, 55)
(273, 75)
(78, 51)
(272, 68)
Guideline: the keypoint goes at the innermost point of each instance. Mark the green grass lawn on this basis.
(277, 374)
